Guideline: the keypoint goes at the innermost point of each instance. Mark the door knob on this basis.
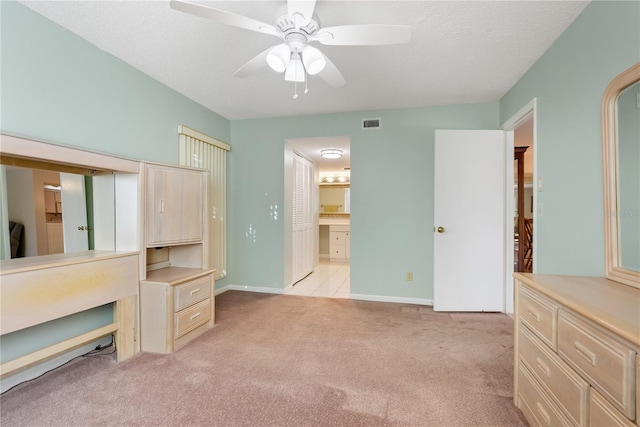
(440, 229)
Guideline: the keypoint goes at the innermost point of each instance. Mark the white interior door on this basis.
(469, 220)
(302, 219)
(74, 213)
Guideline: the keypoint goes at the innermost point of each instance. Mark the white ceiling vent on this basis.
(370, 124)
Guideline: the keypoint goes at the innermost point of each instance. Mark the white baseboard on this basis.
(41, 368)
(262, 289)
(382, 298)
(378, 298)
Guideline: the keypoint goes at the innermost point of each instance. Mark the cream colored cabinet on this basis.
(176, 305)
(175, 203)
(575, 354)
(339, 242)
(52, 201)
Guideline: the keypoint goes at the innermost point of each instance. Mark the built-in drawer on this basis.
(603, 414)
(539, 314)
(192, 292)
(337, 252)
(567, 388)
(538, 408)
(606, 363)
(339, 228)
(337, 238)
(192, 317)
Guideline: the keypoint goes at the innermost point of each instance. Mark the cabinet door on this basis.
(49, 202)
(174, 206)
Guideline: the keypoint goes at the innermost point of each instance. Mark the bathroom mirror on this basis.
(621, 151)
(335, 198)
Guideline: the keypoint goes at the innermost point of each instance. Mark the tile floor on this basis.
(330, 279)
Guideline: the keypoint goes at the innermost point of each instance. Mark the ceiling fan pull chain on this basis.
(295, 90)
(306, 80)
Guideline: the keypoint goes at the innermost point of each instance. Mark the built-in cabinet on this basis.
(339, 242)
(52, 201)
(576, 351)
(177, 293)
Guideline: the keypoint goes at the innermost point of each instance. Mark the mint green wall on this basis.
(59, 88)
(390, 235)
(569, 82)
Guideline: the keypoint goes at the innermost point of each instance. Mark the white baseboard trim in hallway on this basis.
(262, 289)
(382, 298)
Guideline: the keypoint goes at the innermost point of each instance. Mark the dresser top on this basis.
(612, 305)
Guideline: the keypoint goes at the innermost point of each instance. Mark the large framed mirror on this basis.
(621, 158)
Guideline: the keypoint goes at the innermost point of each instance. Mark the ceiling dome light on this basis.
(331, 153)
(278, 58)
(313, 60)
(295, 69)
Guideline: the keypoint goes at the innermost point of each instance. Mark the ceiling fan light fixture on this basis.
(313, 60)
(295, 69)
(278, 58)
(331, 153)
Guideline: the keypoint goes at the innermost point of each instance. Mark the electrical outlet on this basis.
(409, 276)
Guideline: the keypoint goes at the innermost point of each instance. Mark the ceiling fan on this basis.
(297, 29)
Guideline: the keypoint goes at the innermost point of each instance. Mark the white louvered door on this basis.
(302, 245)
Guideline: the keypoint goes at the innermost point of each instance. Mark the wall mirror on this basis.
(621, 151)
(65, 200)
(335, 198)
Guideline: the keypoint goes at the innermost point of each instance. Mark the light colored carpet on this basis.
(281, 360)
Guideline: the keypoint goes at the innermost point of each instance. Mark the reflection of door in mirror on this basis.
(629, 177)
(35, 199)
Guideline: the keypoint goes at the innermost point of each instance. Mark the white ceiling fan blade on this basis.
(224, 17)
(258, 62)
(302, 8)
(362, 35)
(331, 74)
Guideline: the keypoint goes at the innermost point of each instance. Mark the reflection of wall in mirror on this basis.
(30, 211)
(333, 199)
(629, 177)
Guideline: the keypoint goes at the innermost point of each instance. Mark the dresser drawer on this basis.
(337, 238)
(603, 414)
(536, 405)
(192, 292)
(539, 314)
(192, 317)
(567, 388)
(607, 364)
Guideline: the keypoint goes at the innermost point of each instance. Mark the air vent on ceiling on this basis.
(370, 124)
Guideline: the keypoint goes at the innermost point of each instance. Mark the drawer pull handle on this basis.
(543, 366)
(534, 314)
(544, 414)
(587, 354)
(194, 317)
(195, 292)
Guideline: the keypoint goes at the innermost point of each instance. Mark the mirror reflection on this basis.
(628, 114)
(335, 198)
(48, 211)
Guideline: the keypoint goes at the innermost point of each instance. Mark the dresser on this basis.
(576, 359)
(176, 306)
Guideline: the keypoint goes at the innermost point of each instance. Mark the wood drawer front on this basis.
(192, 317)
(603, 414)
(539, 314)
(539, 409)
(192, 292)
(339, 228)
(606, 363)
(569, 390)
(337, 238)
(338, 252)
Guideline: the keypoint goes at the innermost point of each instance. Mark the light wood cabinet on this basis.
(52, 201)
(176, 305)
(339, 242)
(175, 203)
(576, 350)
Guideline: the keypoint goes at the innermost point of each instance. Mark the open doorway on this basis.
(523, 197)
(332, 217)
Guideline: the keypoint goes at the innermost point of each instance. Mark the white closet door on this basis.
(302, 245)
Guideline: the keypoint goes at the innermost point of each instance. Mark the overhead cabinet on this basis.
(174, 205)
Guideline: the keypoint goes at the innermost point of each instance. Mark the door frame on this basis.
(529, 111)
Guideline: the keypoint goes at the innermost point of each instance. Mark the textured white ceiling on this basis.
(460, 52)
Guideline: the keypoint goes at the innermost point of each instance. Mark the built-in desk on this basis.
(41, 289)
